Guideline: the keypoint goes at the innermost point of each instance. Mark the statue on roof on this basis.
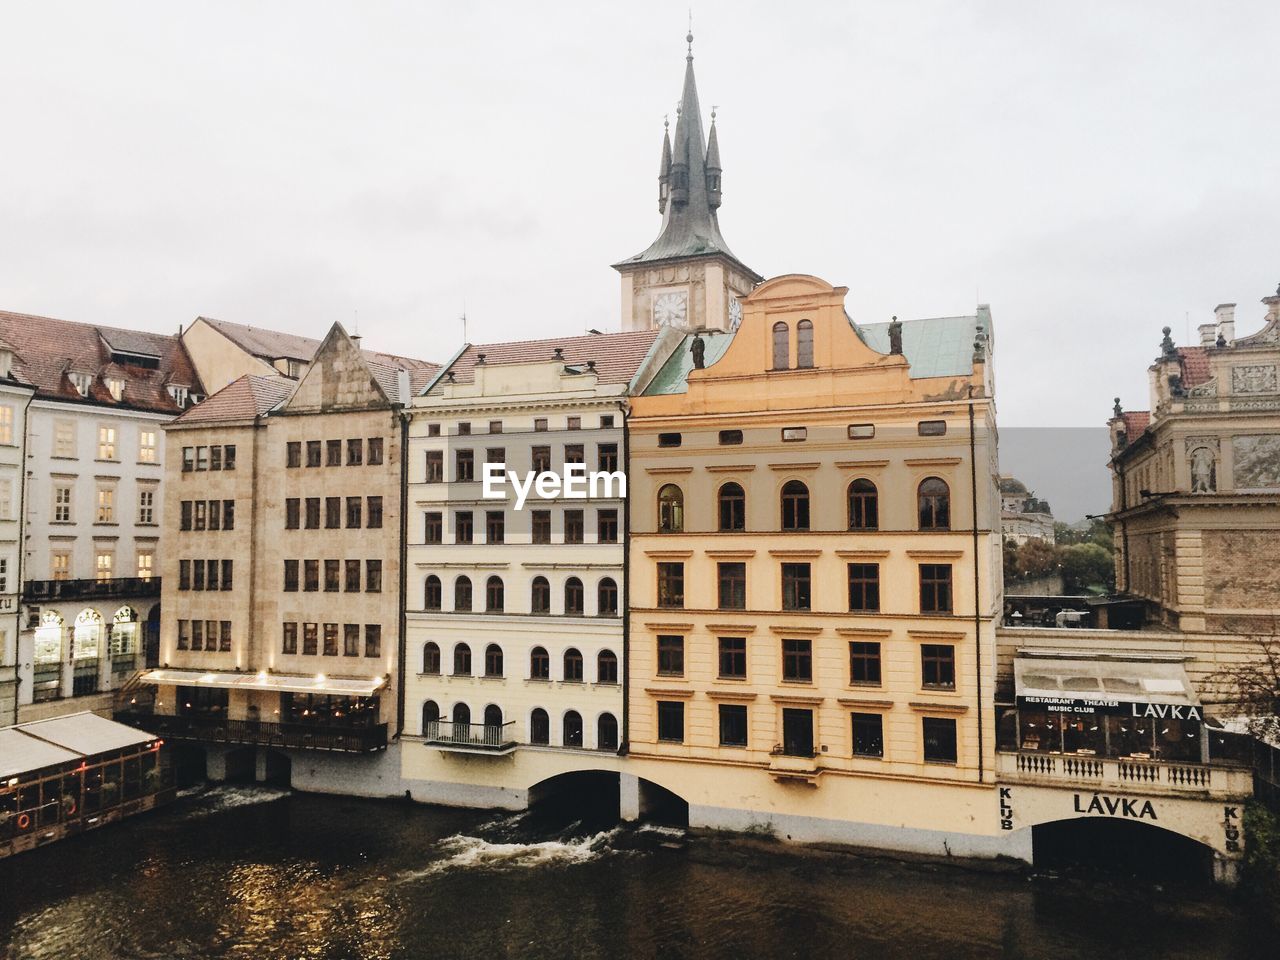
(895, 337)
(699, 350)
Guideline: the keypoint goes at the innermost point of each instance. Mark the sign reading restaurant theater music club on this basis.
(1103, 705)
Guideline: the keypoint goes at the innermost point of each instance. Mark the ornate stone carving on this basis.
(1254, 378)
(1257, 461)
(1204, 470)
(1211, 442)
(1207, 389)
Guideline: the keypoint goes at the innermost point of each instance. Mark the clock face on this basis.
(735, 313)
(671, 309)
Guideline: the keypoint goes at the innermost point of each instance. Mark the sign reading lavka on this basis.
(1122, 708)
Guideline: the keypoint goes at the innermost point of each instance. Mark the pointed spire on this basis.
(713, 165)
(664, 167)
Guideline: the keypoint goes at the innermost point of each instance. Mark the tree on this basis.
(1010, 560)
(1036, 559)
(1251, 688)
(1087, 566)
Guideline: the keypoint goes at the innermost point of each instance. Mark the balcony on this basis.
(286, 736)
(1140, 776)
(489, 739)
(794, 767)
(119, 588)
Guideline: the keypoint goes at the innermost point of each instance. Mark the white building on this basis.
(1023, 515)
(15, 397)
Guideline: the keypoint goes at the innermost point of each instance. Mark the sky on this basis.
(1094, 171)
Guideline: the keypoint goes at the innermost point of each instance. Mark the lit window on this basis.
(103, 564)
(147, 506)
(6, 424)
(62, 503)
(106, 443)
(146, 564)
(146, 446)
(106, 505)
(60, 568)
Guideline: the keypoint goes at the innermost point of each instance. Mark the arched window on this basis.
(795, 506)
(573, 729)
(607, 732)
(87, 636)
(493, 660)
(781, 346)
(732, 503)
(431, 593)
(493, 595)
(431, 657)
(539, 664)
(493, 715)
(670, 509)
(573, 666)
(934, 499)
(539, 726)
(462, 660)
(607, 597)
(461, 722)
(804, 344)
(607, 667)
(540, 595)
(431, 719)
(462, 595)
(574, 597)
(864, 507)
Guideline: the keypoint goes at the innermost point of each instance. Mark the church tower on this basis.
(688, 278)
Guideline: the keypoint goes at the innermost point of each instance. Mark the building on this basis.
(515, 621)
(1023, 515)
(815, 573)
(281, 629)
(92, 505)
(15, 398)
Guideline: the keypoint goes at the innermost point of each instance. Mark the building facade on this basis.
(1023, 515)
(15, 399)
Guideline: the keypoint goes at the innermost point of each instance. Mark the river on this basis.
(250, 872)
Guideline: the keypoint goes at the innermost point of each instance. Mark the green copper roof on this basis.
(671, 378)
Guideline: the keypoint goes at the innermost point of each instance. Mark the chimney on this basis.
(1208, 334)
(403, 386)
(559, 353)
(1225, 315)
(479, 358)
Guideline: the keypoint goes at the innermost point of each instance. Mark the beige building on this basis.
(1023, 515)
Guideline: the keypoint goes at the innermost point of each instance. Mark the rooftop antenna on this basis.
(464, 319)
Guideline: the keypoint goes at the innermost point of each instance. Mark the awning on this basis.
(46, 743)
(274, 682)
(1155, 688)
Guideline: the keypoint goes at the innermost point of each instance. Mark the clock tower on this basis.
(688, 278)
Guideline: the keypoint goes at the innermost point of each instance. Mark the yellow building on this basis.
(815, 568)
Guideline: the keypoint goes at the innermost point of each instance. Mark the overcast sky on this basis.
(1094, 171)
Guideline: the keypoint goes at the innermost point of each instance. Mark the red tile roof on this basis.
(1195, 365)
(617, 356)
(1135, 422)
(46, 351)
(242, 399)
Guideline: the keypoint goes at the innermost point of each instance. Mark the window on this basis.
(375, 451)
(931, 428)
(310, 575)
(732, 585)
(462, 601)
(540, 595)
(730, 438)
(493, 660)
(351, 578)
(781, 346)
(292, 513)
(62, 503)
(572, 729)
(333, 453)
(313, 513)
(215, 514)
(607, 526)
(795, 505)
(671, 584)
(215, 457)
(539, 727)
(868, 735)
(733, 658)
(202, 458)
(733, 725)
(313, 453)
(938, 666)
(670, 655)
(575, 453)
(797, 660)
(862, 431)
(493, 595)
(185, 515)
(147, 505)
(573, 671)
(607, 457)
(64, 438)
(289, 642)
(496, 455)
(864, 587)
(351, 639)
(464, 429)
(540, 526)
(934, 500)
(607, 598)
(332, 513)
(330, 639)
(540, 424)
(228, 514)
(606, 421)
(732, 504)
(146, 564)
(433, 524)
(435, 466)
(355, 452)
(292, 456)
(607, 732)
(462, 527)
(794, 434)
(373, 576)
(796, 586)
(935, 588)
(106, 443)
(355, 510)
(226, 574)
(606, 667)
(804, 344)
(573, 423)
(495, 526)
(939, 739)
(184, 574)
(574, 597)
(464, 466)
(864, 662)
(431, 719)
(374, 519)
(290, 576)
(432, 594)
(431, 658)
(106, 505)
(670, 509)
(60, 568)
(493, 716)
(103, 563)
(433, 429)
(864, 511)
(539, 664)
(146, 446)
(495, 426)
(668, 439)
(461, 660)
(310, 639)
(575, 526)
(541, 459)
(201, 514)
(671, 721)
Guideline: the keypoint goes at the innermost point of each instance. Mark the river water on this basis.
(250, 872)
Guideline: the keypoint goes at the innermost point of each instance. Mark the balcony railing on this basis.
(471, 737)
(1160, 776)
(292, 736)
(44, 591)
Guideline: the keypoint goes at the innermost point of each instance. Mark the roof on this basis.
(1051, 679)
(617, 356)
(46, 350)
(1012, 485)
(1195, 365)
(45, 743)
(1135, 422)
(20, 753)
(249, 396)
(671, 378)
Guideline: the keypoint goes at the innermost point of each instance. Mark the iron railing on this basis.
(293, 736)
(472, 736)
(38, 591)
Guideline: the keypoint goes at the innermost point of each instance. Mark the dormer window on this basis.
(82, 382)
(179, 394)
(116, 386)
(6, 364)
